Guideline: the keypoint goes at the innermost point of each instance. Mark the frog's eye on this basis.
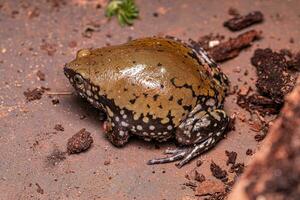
(78, 79)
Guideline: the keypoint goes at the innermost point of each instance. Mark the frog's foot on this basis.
(116, 135)
(185, 155)
(202, 130)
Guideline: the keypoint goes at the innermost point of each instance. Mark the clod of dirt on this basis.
(55, 157)
(239, 22)
(35, 12)
(232, 47)
(263, 105)
(238, 168)
(263, 130)
(273, 81)
(259, 137)
(217, 196)
(55, 101)
(209, 187)
(294, 62)
(57, 3)
(79, 142)
(41, 76)
(231, 124)
(155, 14)
(107, 162)
(59, 127)
(199, 177)
(34, 94)
(191, 185)
(199, 163)
(88, 32)
(99, 6)
(249, 152)
(293, 59)
(90, 29)
(39, 189)
(218, 172)
(231, 157)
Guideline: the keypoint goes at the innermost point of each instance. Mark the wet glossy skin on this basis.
(149, 87)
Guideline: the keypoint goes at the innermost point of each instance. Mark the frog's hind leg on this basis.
(201, 130)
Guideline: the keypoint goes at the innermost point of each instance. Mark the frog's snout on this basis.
(71, 75)
(69, 72)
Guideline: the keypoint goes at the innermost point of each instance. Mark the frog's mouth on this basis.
(83, 87)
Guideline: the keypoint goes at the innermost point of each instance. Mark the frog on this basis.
(155, 88)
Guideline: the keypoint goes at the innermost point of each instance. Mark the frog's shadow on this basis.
(96, 118)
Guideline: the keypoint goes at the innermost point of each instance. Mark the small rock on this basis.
(107, 162)
(79, 142)
(39, 189)
(199, 177)
(41, 76)
(59, 127)
(231, 157)
(218, 172)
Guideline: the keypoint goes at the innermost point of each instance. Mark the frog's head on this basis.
(78, 73)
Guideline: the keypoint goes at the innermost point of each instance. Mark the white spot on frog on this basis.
(145, 133)
(124, 124)
(146, 119)
(121, 133)
(210, 102)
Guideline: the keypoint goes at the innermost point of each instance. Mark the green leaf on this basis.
(125, 11)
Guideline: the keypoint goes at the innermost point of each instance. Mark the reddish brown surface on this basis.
(43, 35)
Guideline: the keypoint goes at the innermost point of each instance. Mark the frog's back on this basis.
(153, 77)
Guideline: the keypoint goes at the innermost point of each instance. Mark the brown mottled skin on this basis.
(155, 88)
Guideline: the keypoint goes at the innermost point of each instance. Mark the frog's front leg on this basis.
(200, 131)
(117, 135)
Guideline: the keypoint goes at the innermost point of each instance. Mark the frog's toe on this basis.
(177, 154)
(119, 139)
(118, 136)
(173, 151)
(183, 154)
(196, 150)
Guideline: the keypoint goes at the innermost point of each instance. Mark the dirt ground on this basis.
(44, 35)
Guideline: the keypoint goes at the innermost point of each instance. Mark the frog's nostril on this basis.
(69, 72)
